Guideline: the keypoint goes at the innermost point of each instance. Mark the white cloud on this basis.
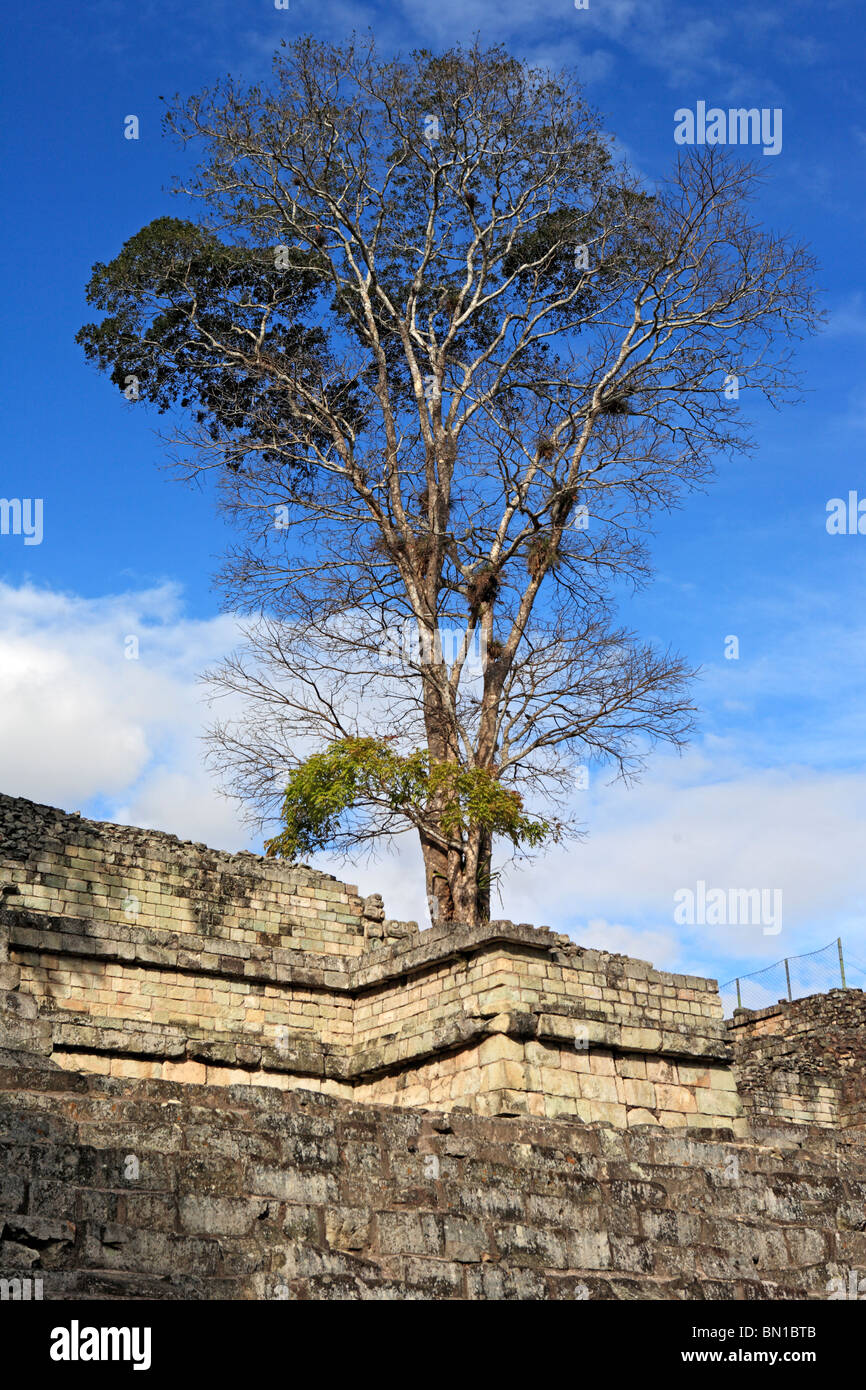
(658, 947)
(849, 319)
(186, 801)
(82, 724)
(799, 831)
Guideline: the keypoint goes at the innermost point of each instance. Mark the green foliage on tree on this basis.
(324, 788)
(183, 312)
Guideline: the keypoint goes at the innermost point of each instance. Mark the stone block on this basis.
(499, 1048)
(638, 1116)
(675, 1098)
(601, 1088)
(641, 1039)
(640, 1093)
(713, 1102)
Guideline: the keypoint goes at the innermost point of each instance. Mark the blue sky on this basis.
(773, 790)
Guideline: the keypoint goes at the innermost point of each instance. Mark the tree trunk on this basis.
(483, 880)
(438, 880)
(458, 883)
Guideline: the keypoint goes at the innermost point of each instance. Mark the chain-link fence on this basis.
(794, 978)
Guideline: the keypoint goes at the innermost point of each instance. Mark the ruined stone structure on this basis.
(224, 1076)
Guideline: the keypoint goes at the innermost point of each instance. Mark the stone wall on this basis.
(64, 866)
(152, 958)
(804, 1061)
(221, 1077)
(114, 1188)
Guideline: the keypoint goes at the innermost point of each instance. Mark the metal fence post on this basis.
(766, 978)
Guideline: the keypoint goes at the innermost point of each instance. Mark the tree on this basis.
(445, 358)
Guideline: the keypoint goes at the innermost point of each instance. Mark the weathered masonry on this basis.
(224, 1076)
